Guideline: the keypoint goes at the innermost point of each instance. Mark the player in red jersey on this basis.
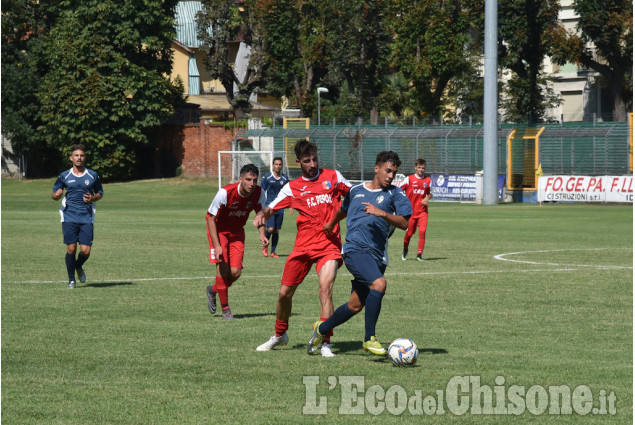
(226, 218)
(417, 188)
(317, 195)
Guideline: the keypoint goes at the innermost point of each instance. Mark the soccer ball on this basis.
(403, 352)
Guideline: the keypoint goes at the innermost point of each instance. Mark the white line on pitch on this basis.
(597, 266)
(248, 277)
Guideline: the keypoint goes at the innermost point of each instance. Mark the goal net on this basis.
(230, 163)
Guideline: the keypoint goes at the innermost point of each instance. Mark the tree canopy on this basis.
(99, 73)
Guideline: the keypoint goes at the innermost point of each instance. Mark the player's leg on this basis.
(327, 267)
(230, 271)
(423, 225)
(295, 270)
(71, 237)
(412, 226)
(275, 235)
(85, 242)
(269, 228)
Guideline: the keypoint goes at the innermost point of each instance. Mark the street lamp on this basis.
(320, 90)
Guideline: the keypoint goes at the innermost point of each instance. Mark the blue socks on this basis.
(70, 266)
(80, 261)
(341, 315)
(274, 241)
(373, 307)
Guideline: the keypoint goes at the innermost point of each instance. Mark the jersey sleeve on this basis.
(402, 203)
(262, 201)
(264, 184)
(404, 183)
(283, 200)
(346, 202)
(98, 187)
(343, 185)
(59, 184)
(219, 200)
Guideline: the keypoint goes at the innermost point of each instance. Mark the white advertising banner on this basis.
(585, 189)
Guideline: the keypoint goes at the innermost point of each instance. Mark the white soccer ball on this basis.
(403, 352)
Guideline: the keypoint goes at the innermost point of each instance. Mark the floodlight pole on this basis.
(320, 90)
(490, 105)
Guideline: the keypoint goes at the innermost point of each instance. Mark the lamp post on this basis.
(320, 90)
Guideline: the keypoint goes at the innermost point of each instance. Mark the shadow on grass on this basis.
(433, 351)
(248, 315)
(434, 258)
(342, 347)
(103, 284)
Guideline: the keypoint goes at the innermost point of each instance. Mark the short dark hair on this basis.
(388, 156)
(277, 158)
(420, 161)
(78, 147)
(304, 148)
(249, 168)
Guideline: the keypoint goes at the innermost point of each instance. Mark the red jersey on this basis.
(316, 201)
(232, 209)
(416, 189)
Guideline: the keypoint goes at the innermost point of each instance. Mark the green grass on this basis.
(136, 344)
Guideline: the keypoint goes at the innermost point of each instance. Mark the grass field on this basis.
(536, 296)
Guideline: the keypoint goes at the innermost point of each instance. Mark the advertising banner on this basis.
(585, 189)
(458, 187)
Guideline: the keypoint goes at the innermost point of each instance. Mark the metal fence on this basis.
(592, 149)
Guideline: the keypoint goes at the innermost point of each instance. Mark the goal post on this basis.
(230, 163)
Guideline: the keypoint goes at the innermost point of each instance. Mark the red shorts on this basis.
(233, 247)
(299, 263)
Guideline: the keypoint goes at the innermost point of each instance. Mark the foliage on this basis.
(603, 42)
(525, 28)
(433, 44)
(101, 71)
(230, 36)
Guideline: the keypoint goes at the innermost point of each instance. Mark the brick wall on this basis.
(194, 146)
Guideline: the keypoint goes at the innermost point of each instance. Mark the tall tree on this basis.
(103, 82)
(434, 41)
(603, 42)
(234, 49)
(524, 39)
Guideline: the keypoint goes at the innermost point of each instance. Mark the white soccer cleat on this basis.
(325, 350)
(274, 341)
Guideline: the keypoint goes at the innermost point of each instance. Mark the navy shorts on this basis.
(275, 220)
(364, 268)
(78, 232)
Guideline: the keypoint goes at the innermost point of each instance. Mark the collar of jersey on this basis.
(314, 178)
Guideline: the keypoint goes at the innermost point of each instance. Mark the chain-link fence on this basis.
(592, 149)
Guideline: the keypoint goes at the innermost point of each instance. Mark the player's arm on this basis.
(279, 203)
(259, 210)
(339, 216)
(261, 218)
(58, 189)
(90, 198)
(425, 199)
(213, 234)
(57, 194)
(392, 219)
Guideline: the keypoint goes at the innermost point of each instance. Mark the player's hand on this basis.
(218, 253)
(328, 228)
(372, 209)
(264, 240)
(88, 198)
(424, 202)
(259, 220)
(58, 193)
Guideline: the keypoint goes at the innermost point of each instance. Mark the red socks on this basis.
(281, 326)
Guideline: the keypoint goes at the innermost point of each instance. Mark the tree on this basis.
(524, 39)
(101, 77)
(603, 42)
(222, 28)
(434, 42)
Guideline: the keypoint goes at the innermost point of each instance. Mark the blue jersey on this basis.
(366, 232)
(272, 185)
(74, 209)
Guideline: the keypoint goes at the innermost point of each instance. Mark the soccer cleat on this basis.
(404, 255)
(274, 255)
(227, 314)
(373, 346)
(81, 275)
(274, 341)
(265, 251)
(325, 350)
(419, 257)
(71, 284)
(315, 339)
(211, 299)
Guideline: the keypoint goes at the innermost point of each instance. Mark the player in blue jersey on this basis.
(83, 188)
(271, 184)
(372, 210)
